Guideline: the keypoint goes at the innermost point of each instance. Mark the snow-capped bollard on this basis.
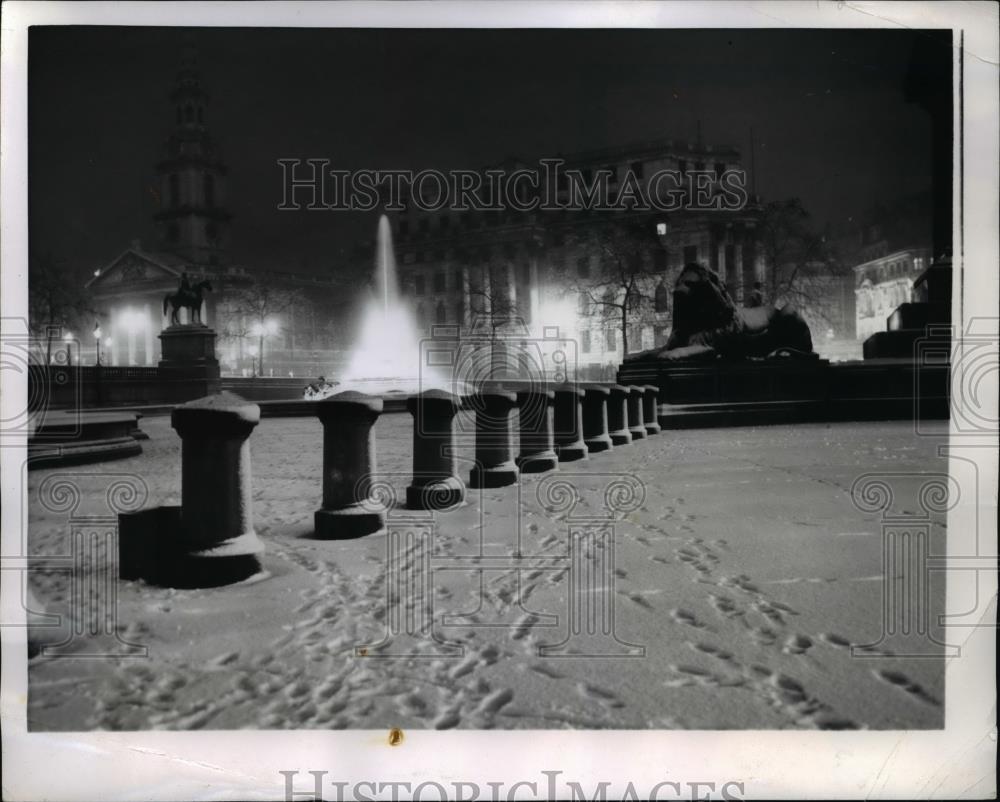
(595, 417)
(650, 408)
(435, 485)
(568, 422)
(636, 426)
(534, 422)
(618, 415)
(348, 509)
(217, 542)
(494, 451)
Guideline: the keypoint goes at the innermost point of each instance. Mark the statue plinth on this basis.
(188, 367)
(188, 345)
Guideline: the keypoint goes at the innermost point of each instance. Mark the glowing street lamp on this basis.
(260, 330)
(97, 342)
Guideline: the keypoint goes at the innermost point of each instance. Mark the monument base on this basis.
(188, 368)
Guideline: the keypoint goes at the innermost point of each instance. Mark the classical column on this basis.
(217, 536)
(435, 485)
(537, 447)
(148, 324)
(568, 423)
(595, 417)
(348, 464)
(494, 455)
(618, 415)
(636, 426)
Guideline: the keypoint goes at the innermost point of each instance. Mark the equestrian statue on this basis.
(708, 324)
(186, 297)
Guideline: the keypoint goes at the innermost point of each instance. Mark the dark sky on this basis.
(828, 109)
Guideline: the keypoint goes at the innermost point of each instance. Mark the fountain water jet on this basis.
(386, 358)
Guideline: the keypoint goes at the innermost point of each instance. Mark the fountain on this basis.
(387, 359)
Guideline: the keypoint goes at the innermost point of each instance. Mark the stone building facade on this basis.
(454, 265)
(882, 284)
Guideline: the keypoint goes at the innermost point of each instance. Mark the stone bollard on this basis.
(494, 451)
(650, 408)
(569, 424)
(618, 415)
(435, 485)
(595, 417)
(636, 426)
(217, 542)
(534, 421)
(348, 509)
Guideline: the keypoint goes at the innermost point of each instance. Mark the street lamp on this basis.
(97, 342)
(68, 339)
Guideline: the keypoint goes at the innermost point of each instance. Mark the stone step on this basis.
(899, 344)
(918, 316)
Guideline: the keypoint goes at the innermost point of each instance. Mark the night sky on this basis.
(828, 108)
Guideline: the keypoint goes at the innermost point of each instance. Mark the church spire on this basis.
(192, 220)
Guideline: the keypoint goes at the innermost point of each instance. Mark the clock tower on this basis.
(192, 221)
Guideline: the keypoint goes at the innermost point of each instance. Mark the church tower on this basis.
(192, 222)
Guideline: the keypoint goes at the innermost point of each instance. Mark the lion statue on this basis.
(708, 324)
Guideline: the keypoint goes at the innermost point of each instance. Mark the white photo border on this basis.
(956, 762)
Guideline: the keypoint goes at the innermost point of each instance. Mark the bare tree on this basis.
(55, 297)
(492, 295)
(794, 253)
(622, 283)
(253, 308)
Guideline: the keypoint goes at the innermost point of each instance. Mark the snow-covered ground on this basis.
(741, 568)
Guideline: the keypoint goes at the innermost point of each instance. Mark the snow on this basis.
(740, 579)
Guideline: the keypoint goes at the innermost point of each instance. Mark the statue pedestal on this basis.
(188, 345)
(188, 368)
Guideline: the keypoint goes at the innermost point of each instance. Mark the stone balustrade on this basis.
(636, 425)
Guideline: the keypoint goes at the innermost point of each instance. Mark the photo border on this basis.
(958, 761)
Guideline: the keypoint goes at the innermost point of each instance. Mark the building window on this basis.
(699, 166)
(585, 341)
(720, 168)
(610, 340)
(583, 305)
(173, 232)
(189, 114)
(421, 318)
(583, 267)
(175, 190)
(418, 284)
(422, 225)
(441, 315)
(460, 311)
(445, 223)
(634, 338)
(458, 280)
(660, 301)
(690, 254)
(636, 168)
(404, 227)
(682, 166)
(439, 282)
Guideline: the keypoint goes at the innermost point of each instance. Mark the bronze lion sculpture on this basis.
(708, 324)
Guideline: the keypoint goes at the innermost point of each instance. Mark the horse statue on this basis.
(189, 298)
(708, 324)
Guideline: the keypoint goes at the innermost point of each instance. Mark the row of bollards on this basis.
(563, 424)
(212, 532)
